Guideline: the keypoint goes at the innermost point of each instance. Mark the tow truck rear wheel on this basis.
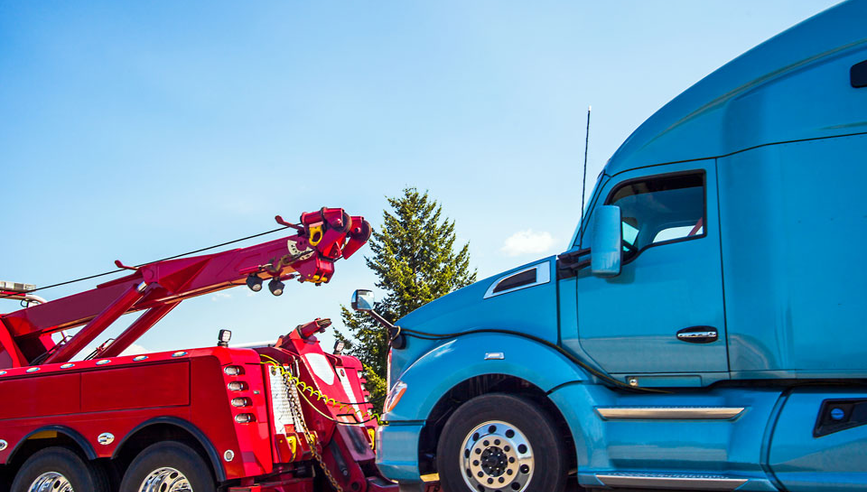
(59, 469)
(168, 467)
(500, 442)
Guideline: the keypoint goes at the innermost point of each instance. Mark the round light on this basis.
(32, 369)
(254, 283)
(179, 354)
(233, 370)
(139, 358)
(102, 362)
(229, 455)
(243, 418)
(67, 366)
(276, 286)
(236, 386)
(241, 402)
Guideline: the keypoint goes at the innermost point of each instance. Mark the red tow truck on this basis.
(286, 417)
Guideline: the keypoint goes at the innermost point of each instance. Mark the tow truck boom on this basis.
(320, 239)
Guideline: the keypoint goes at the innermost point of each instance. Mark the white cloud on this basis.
(527, 242)
(135, 349)
(220, 295)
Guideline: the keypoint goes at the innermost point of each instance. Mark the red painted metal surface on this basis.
(224, 399)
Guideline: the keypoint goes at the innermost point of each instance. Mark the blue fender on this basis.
(436, 372)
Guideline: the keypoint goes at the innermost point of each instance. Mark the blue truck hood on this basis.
(529, 308)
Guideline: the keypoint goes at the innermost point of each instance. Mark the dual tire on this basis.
(162, 467)
(59, 469)
(501, 443)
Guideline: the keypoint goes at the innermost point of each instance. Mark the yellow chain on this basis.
(291, 382)
(303, 387)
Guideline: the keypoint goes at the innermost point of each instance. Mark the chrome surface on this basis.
(16, 286)
(105, 438)
(31, 299)
(229, 455)
(497, 456)
(3, 444)
(179, 354)
(67, 366)
(50, 482)
(669, 413)
(690, 482)
(543, 276)
(32, 369)
(494, 356)
(165, 479)
(697, 334)
(102, 362)
(139, 358)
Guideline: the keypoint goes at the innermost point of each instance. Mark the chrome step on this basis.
(670, 481)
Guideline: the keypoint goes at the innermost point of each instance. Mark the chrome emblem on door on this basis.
(105, 438)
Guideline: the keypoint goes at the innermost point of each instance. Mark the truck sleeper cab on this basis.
(704, 329)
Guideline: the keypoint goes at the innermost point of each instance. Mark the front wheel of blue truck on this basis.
(500, 442)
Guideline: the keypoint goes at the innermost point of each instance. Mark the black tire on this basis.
(82, 475)
(168, 455)
(515, 442)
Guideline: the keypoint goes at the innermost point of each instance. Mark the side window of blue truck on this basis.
(660, 209)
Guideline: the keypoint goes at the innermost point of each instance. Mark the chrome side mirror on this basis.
(362, 300)
(606, 244)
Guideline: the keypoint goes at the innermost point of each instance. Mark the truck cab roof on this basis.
(769, 88)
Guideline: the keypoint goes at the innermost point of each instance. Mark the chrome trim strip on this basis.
(543, 276)
(672, 481)
(669, 413)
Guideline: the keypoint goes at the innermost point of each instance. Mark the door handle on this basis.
(698, 334)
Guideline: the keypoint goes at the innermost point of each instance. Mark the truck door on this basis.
(664, 313)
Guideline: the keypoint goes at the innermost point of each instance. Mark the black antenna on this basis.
(584, 180)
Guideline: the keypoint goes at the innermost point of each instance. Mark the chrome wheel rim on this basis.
(50, 482)
(165, 479)
(496, 456)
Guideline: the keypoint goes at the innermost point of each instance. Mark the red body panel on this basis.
(167, 384)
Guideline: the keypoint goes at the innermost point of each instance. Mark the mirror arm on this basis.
(395, 339)
(379, 319)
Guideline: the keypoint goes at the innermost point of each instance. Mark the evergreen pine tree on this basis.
(415, 261)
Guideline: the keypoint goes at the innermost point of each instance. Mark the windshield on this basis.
(585, 217)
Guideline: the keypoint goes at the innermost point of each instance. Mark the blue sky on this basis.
(135, 131)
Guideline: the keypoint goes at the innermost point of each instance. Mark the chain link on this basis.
(310, 436)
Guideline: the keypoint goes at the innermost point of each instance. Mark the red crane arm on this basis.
(322, 238)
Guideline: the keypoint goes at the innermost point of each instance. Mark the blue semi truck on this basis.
(706, 327)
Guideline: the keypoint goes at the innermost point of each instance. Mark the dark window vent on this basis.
(858, 75)
(518, 280)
